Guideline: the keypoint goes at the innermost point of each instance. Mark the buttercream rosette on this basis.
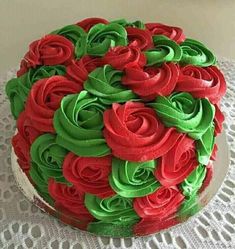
(116, 123)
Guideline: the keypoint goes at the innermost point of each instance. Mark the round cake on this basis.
(116, 124)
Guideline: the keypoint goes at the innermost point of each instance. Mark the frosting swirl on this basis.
(133, 179)
(196, 53)
(134, 132)
(187, 114)
(78, 70)
(140, 38)
(189, 207)
(193, 182)
(161, 204)
(136, 24)
(165, 50)
(47, 158)
(88, 23)
(122, 57)
(26, 129)
(207, 82)
(205, 146)
(100, 38)
(89, 174)
(69, 200)
(17, 89)
(105, 83)
(151, 81)
(219, 119)
(49, 50)
(79, 123)
(174, 33)
(44, 98)
(177, 163)
(71, 32)
(21, 149)
(114, 209)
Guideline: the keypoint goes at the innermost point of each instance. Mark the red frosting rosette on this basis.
(22, 141)
(69, 201)
(202, 82)
(78, 70)
(89, 174)
(44, 99)
(88, 23)
(122, 57)
(152, 81)
(208, 178)
(26, 128)
(161, 204)
(49, 50)
(140, 38)
(21, 148)
(134, 132)
(174, 166)
(219, 119)
(174, 33)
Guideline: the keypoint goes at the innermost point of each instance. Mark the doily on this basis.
(22, 225)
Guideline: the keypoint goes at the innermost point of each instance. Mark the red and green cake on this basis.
(116, 123)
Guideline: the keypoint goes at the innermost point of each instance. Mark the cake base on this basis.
(220, 168)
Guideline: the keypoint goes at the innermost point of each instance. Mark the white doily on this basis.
(22, 225)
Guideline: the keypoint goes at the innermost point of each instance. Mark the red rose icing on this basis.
(49, 50)
(89, 174)
(159, 205)
(122, 57)
(139, 38)
(69, 200)
(174, 166)
(78, 70)
(26, 128)
(202, 82)
(152, 81)
(150, 226)
(23, 68)
(208, 178)
(87, 23)
(21, 148)
(174, 33)
(44, 99)
(134, 132)
(219, 119)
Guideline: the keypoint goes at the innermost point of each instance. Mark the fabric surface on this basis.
(22, 225)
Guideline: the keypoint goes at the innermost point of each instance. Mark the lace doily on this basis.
(22, 225)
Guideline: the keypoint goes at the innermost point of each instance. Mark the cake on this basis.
(116, 124)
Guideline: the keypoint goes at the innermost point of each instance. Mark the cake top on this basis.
(116, 122)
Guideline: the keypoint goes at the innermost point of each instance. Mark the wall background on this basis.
(21, 21)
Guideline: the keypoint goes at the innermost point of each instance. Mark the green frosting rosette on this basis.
(100, 38)
(136, 24)
(115, 215)
(189, 207)
(165, 50)
(133, 179)
(195, 53)
(205, 146)
(105, 83)
(114, 210)
(189, 115)
(79, 123)
(193, 182)
(17, 89)
(47, 157)
(72, 32)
